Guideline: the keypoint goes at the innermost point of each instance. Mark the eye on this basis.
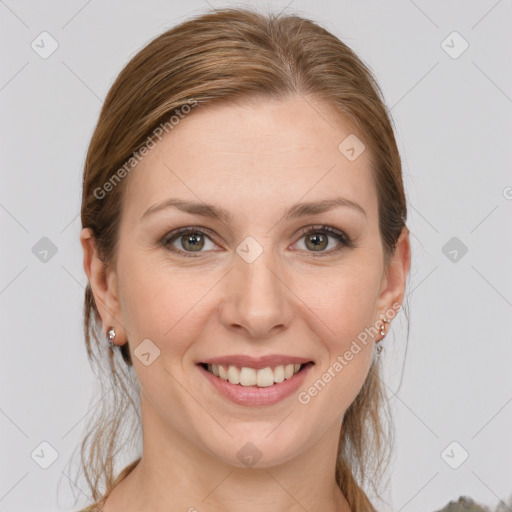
(189, 240)
(316, 239)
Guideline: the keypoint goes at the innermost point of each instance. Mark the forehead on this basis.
(282, 151)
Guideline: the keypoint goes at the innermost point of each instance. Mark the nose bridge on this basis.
(257, 296)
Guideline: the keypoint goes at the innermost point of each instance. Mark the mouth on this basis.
(250, 377)
(256, 385)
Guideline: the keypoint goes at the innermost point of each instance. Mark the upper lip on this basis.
(256, 362)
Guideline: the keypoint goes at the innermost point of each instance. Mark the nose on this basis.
(256, 297)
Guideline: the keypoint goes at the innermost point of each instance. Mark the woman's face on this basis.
(252, 283)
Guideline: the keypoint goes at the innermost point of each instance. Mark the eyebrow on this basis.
(215, 212)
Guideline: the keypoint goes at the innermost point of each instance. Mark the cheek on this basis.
(343, 298)
(159, 302)
(344, 309)
(342, 318)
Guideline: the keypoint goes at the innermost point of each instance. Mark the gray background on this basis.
(453, 123)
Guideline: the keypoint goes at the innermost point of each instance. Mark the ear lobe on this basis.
(102, 281)
(394, 281)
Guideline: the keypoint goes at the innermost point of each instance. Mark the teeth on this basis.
(223, 374)
(263, 377)
(279, 373)
(288, 370)
(233, 375)
(246, 376)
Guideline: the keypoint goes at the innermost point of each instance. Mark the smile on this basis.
(246, 376)
(251, 386)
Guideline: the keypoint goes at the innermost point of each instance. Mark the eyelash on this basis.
(345, 241)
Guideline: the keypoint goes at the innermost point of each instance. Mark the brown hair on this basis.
(235, 55)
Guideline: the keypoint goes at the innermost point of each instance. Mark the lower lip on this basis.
(253, 395)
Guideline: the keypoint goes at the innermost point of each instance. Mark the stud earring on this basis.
(382, 333)
(111, 334)
(382, 326)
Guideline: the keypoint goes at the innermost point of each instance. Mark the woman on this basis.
(245, 243)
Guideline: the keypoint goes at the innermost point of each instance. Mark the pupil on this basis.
(194, 240)
(318, 241)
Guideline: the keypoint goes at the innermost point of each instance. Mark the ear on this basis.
(104, 286)
(395, 276)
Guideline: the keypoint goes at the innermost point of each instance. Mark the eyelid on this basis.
(175, 234)
(327, 229)
(344, 240)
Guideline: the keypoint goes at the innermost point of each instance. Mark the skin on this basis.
(254, 161)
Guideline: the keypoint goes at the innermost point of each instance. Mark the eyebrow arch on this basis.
(215, 212)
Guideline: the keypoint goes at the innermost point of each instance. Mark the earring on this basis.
(382, 326)
(111, 334)
(382, 333)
